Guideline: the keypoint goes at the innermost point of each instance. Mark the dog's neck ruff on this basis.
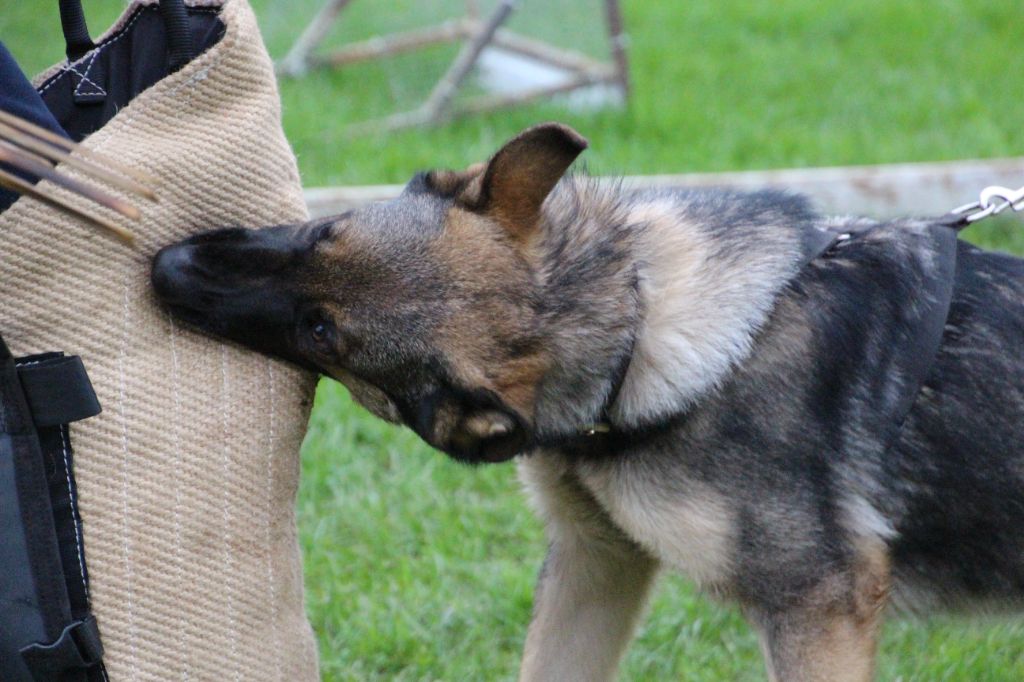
(676, 282)
(819, 241)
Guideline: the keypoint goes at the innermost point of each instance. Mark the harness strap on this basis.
(57, 389)
(927, 332)
(935, 298)
(76, 32)
(78, 648)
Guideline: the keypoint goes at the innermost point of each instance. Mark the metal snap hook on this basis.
(992, 201)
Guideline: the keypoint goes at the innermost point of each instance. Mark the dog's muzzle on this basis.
(236, 284)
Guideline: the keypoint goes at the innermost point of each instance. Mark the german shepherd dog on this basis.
(685, 379)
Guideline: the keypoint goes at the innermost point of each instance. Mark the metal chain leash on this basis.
(992, 201)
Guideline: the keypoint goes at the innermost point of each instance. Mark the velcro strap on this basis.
(57, 389)
(78, 647)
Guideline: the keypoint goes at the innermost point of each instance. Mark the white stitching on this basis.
(232, 624)
(272, 437)
(122, 403)
(180, 565)
(69, 66)
(86, 79)
(75, 519)
(55, 78)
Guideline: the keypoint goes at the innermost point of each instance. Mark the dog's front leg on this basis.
(819, 648)
(831, 634)
(591, 589)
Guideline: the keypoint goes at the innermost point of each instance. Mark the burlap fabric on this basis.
(187, 480)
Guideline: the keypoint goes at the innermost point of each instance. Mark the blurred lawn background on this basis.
(421, 569)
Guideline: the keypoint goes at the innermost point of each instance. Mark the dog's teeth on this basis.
(498, 429)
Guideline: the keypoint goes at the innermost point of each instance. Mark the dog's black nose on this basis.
(169, 275)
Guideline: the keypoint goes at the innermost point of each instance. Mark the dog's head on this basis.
(424, 306)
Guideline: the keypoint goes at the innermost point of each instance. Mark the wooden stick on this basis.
(619, 40)
(84, 163)
(38, 166)
(101, 166)
(42, 194)
(490, 102)
(544, 52)
(396, 43)
(299, 56)
(42, 133)
(442, 94)
(482, 103)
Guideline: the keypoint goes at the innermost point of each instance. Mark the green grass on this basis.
(421, 569)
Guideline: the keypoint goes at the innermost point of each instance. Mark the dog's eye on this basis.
(319, 332)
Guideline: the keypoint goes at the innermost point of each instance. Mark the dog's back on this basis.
(956, 474)
(923, 446)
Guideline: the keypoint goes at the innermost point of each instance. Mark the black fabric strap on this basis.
(815, 243)
(76, 33)
(78, 648)
(179, 37)
(58, 389)
(934, 298)
(90, 75)
(954, 221)
(47, 631)
(32, 585)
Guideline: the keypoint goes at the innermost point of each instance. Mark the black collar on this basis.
(604, 422)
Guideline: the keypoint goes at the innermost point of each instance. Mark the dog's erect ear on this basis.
(521, 174)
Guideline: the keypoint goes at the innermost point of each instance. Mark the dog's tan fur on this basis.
(833, 633)
(580, 628)
(471, 246)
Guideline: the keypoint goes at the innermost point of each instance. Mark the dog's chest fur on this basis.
(681, 521)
